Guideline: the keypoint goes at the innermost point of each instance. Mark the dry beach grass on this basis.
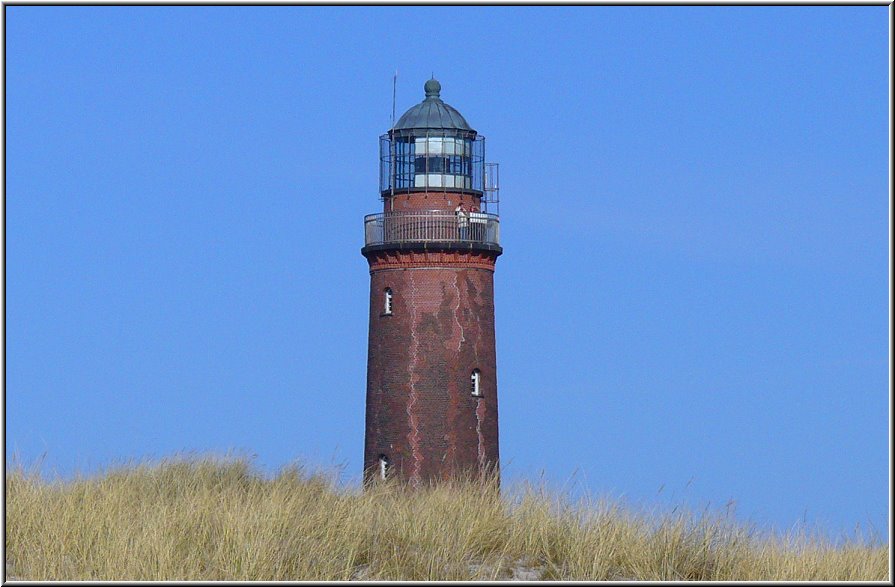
(216, 519)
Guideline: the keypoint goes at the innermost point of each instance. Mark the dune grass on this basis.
(204, 518)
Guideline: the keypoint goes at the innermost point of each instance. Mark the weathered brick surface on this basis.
(421, 413)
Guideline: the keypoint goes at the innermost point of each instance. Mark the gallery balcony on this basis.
(432, 229)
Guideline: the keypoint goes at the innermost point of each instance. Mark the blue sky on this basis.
(691, 307)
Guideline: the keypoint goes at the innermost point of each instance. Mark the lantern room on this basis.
(432, 148)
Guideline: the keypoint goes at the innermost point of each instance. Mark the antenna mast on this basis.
(391, 144)
(394, 95)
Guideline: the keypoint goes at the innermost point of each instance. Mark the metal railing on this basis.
(431, 226)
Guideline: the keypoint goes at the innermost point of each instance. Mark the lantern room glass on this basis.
(431, 160)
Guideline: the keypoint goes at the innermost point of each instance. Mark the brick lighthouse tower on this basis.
(431, 366)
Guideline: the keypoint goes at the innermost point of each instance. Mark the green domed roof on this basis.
(432, 113)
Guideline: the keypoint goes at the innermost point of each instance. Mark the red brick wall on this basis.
(421, 413)
(431, 201)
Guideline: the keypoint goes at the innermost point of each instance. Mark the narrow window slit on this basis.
(476, 379)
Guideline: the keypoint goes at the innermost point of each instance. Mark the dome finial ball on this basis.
(433, 88)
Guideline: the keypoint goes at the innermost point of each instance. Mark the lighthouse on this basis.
(431, 411)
